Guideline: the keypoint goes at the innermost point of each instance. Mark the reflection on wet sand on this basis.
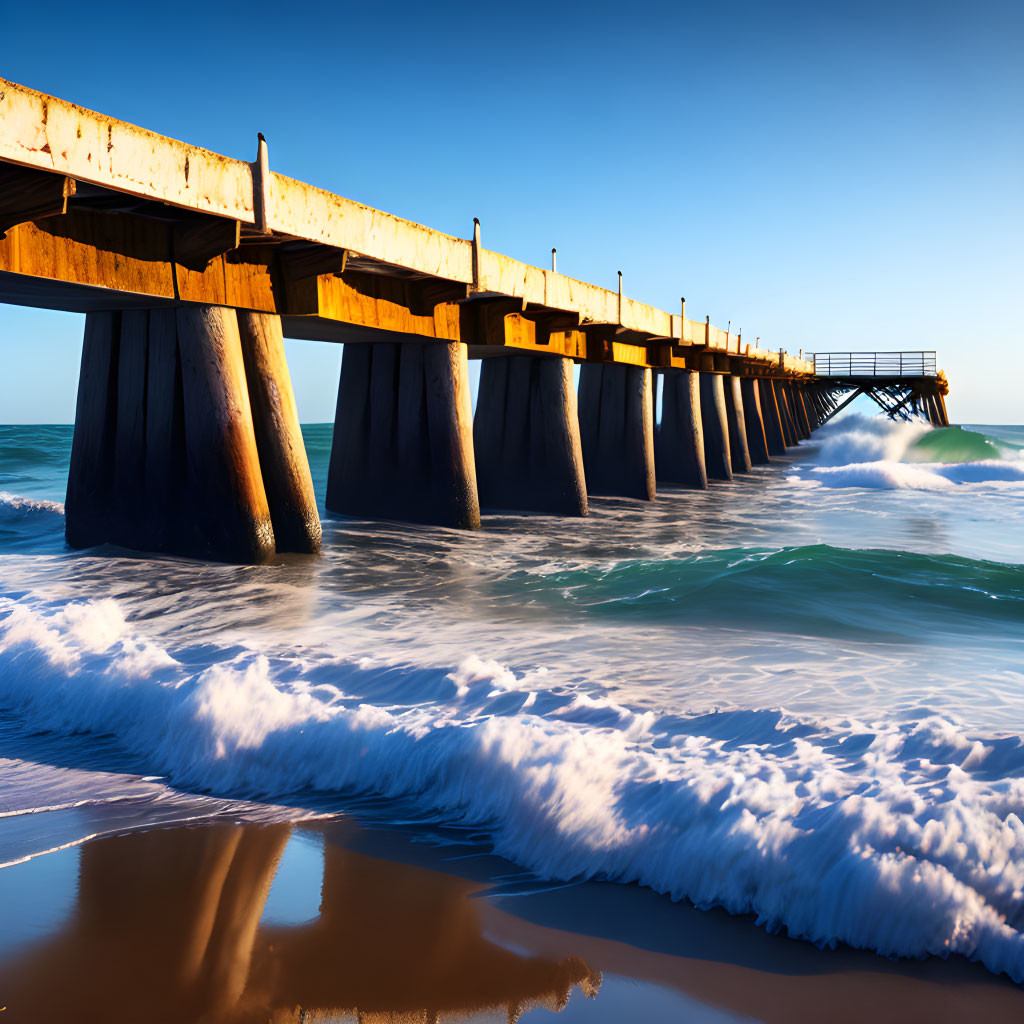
(167, 928)
(169, 925)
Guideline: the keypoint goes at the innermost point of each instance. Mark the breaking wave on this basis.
(903, 836)
(860, 451)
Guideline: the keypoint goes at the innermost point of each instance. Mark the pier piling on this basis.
(679, 439)
(526, 436)
(738, 451)
(91, 470)
(616, 410)
(775, 438)
(757, 445)
(717, 456)
(227, 513)
(403, 435)
(282, 451)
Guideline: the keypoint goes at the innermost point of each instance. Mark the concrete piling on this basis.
(403, 435)
(128, 524)
(91, 470)
(774, 435)
(616, 411)
(753, 419)
(679, 438)
(282, 452)
(228, 514)
(717, 455)
(166, 457)
(786, 414)
(739, 454)
(526, 436)
(166, 463)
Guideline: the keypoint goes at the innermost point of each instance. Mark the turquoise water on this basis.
(799, 694)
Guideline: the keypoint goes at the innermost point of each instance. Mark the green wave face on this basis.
(815, 590)
(955, 444)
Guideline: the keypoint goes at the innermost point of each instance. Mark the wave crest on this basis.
(903, 837)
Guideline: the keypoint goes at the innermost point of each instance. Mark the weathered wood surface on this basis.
(526, 436)
(717, 456)
(679, 440)
(226, 508)
(282, 451)
(53, 136)
(616, 409)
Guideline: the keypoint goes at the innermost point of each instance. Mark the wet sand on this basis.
(329, 921)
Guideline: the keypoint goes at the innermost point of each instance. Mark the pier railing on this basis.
(874, 364)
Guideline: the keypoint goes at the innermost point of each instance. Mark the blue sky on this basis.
(827, 176)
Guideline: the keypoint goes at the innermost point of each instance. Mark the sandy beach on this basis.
(327, 921)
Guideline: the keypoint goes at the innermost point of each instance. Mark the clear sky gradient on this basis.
(826, 176)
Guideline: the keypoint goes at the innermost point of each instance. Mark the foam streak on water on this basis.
(799, 694)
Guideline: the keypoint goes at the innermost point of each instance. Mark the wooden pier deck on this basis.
(192, 267)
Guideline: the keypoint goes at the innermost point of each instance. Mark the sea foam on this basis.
(861, 451)
(902, 836)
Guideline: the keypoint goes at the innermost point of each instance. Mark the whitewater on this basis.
(799, 695)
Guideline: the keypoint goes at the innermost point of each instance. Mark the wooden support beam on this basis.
(28, 195)
(198, 241)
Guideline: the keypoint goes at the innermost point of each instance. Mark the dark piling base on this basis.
(403, 435)
(617, 429)
(753, 420)
(679, 439)
(717, 454)
(526, 436)
(165, 456)
(736, 418)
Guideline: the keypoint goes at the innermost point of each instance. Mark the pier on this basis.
(192, 267)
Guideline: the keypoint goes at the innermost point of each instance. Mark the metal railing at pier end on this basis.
(873, 364)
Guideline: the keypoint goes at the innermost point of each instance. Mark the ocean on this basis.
(798, 695)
